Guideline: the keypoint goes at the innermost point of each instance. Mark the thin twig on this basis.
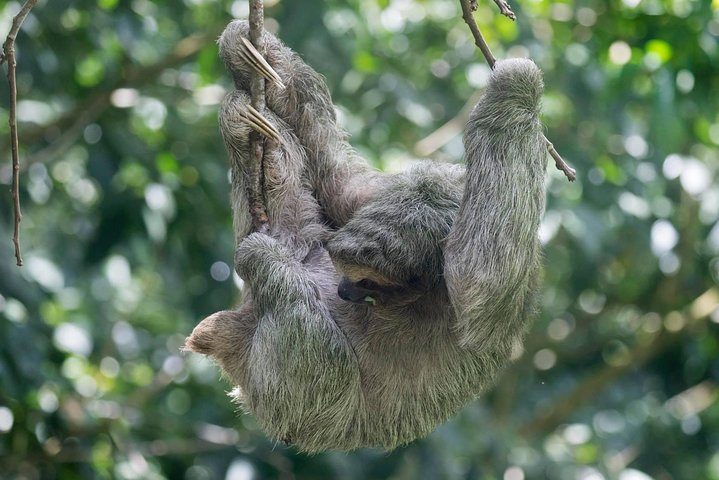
(479, 40)
(505, 9)
(468, 6)
(255, 190)
(8, 56)
(559, 162)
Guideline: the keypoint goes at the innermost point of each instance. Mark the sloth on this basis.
(379, 304)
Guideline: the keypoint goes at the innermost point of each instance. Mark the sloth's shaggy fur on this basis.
(458, 244)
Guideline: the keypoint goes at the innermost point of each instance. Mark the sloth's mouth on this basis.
(353, 292)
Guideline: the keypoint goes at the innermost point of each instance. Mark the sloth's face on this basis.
(362, 284)
(390, 252)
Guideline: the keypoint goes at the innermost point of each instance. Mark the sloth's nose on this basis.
(350, 292)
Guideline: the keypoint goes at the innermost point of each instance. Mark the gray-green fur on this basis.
(323, 373)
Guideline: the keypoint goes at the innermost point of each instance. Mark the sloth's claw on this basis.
(259, 123)
(249, 54)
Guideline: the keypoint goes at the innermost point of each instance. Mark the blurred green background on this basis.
(128, 242)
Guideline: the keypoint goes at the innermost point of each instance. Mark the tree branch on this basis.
(479, 40)
(468, 6)
(255, 190)
(505, 9)
(8, 55)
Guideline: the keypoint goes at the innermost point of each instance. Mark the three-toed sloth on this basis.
(379, 304)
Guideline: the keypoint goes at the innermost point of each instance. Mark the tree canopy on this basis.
(127, 234)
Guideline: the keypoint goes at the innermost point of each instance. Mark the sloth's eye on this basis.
(368, 284)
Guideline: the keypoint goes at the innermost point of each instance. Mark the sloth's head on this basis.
(391, 250)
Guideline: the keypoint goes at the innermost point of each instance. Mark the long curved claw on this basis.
(249, 54)
(259, 123)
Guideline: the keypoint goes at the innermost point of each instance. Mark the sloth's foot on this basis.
(249, 54)
(259, 123)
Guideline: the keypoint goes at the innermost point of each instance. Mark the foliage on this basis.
(127, 235)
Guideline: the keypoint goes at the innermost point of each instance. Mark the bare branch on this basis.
(559, 162)
(467, 7)
(8, 55)
(9, 45)
(255, 190)
(505, 9)
(478, 37)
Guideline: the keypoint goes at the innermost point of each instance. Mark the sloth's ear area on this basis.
(213, 335)
(225, 336)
